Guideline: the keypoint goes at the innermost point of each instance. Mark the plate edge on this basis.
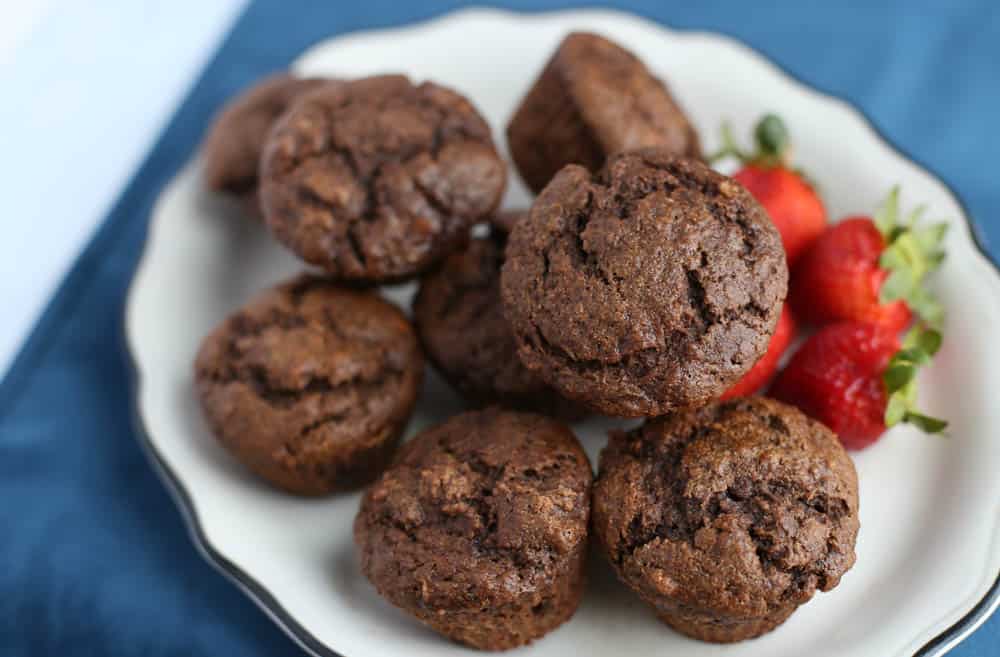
(250, 587)
(935, 647)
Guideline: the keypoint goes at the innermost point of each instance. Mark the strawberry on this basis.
(791, 201)
(870, 270)
(856, 378)
(764, 369)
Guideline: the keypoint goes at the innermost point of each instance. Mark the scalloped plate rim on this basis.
(946, 631)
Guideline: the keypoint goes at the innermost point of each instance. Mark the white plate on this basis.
(929, 548)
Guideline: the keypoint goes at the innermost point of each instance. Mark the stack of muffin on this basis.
(640, 283)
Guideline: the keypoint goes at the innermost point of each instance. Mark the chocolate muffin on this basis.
(479, 528)
(377, 179)
(311, 385)
(236, 137)
(460, 323)
(653, 285)
(726, 518)
(593, 99)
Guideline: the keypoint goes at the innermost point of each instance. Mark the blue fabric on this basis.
(94, 557)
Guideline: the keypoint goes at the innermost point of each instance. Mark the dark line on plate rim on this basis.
(269, 604)
(250, 586)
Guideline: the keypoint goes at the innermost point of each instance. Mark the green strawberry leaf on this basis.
(913, 337)
(927, 340)
(892, 260)
(897, 286)
(934, 260)
(913, 218)
(914, 355)
(908, 393)
(900, 379)
(887, 215)
(925, 423)
(926, 306)
(898, 375)
(929, 238)
(895, 411)
(912, 252)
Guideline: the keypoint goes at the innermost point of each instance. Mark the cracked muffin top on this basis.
(652, 285)
(311, 384)
(235, 140)
(477, 512)
(377, 179)
(738, 508)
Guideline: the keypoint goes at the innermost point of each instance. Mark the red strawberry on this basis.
(870, 270)
(764, 369)
(794, 206)
(855, 378)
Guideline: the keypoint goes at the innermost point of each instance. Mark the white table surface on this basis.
(87, 87)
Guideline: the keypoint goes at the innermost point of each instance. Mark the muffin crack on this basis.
(354, 245)
(236, 368)
(454, 534)
(631, 291)
(802, 578)
(543, 342)
(245, 326)
(283, 396)
(431, 198)
(583, 258)
(375, 179)
(329, 418)
(481, 495)
(696, 297)
(310, 384)
(705, 492)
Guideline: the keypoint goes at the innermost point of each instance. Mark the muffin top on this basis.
(594, 98)
(652, 285)
(476, 512)
(236, 138)
(377, 178)
(625, 106)
(307, 371)
(461, 326)
(736, 508)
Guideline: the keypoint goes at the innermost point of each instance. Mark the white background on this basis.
(87, 87)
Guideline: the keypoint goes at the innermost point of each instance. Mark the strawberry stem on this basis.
(729, 146)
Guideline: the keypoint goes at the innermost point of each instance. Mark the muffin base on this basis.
(715, 629)
(340, 469)
(512, 625)
(341, 472)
